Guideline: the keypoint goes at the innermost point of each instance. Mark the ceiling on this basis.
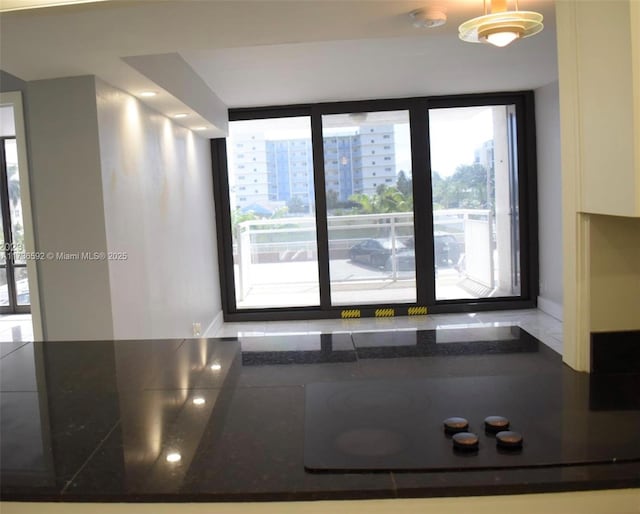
(252, 53)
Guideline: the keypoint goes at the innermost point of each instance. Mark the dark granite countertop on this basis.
(97, 421)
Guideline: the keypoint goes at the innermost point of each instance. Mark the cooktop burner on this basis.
(398, 425)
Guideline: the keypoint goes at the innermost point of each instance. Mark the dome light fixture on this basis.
(428, 18)
(501, 27)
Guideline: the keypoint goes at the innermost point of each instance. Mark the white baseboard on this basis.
(553, 309)
(214, 326)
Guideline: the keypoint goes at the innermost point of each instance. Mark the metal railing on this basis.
(293, 239)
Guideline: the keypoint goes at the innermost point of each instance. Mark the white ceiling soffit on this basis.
(419, 65)
(270, 52)
(21, 5)
(174, 75)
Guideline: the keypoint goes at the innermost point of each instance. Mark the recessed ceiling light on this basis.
(216, 366)
(199, 128)
(180, 115)
(148, 94)
(199, 400)
(20, 5)
(174, 457)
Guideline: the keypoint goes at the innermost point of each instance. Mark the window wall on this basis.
(272, 213)
(377, 207)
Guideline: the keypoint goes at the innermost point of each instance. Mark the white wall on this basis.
(66, 200)
(549, 198)
(158, 208)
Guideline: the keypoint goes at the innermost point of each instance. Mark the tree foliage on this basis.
(386, 199)
(465, 189)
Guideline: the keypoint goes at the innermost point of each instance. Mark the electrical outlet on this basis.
(197, 330)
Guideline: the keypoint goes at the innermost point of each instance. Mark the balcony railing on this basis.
(286, 240)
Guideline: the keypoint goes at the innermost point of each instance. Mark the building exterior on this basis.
(484, 155)
(269, 173)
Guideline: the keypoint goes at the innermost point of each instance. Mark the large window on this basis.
(367, 170)
(378, 207)
(14, 283)
(475, 207)
(272, 213)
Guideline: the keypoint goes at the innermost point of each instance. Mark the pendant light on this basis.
(501, 27)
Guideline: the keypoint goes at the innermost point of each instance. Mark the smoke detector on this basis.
(428, 18)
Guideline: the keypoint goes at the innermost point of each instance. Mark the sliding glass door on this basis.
(378, 207)
(14, 283)
(272, 213)
(475, 203)
(369, 197)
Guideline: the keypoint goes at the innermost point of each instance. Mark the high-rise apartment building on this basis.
(484, 155)
(269, 173)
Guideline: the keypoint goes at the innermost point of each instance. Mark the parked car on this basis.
(405, 260)
(374, 252)
(446, 249)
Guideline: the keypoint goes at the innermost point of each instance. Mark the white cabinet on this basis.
(599, 54)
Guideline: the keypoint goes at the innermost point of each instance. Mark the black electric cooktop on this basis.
(398, 425)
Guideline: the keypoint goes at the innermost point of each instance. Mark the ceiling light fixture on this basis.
(180, 115)
(148, 94)
(199, 128)
(428, 18)
(501, 27)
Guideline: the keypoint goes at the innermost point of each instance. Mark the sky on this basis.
(455, 135)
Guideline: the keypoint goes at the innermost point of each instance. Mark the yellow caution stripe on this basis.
(417, 311)
(385, 313)
(350, 313)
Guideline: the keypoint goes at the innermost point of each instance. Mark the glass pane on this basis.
(3, 254)
(475, 210)
(22, 285)
(15, 204)
(272, 200)
(367, 164)
(4, 288)
(7, 121)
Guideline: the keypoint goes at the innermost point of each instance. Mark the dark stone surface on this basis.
(95, 421)
(308, 349)
(615, 352)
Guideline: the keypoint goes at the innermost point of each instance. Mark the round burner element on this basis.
(455, 425)
(509, 440)
(466, 441)
(496, 424)
(371, 442)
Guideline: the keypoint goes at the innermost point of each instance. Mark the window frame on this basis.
(418, 108)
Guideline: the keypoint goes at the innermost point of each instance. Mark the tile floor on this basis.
(542, 326)
(16, 328)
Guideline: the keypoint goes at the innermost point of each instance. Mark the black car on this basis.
(374, 252)
(405, 260)
(446, 249)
